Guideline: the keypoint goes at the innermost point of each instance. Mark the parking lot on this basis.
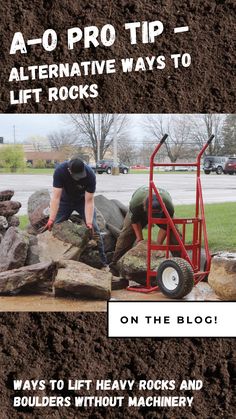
(181, 186)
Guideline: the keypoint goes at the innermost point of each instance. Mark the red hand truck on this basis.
(176, 276)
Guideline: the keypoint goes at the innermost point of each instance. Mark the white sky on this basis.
(28, 125)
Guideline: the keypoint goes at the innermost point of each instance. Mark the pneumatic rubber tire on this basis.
(108, 170)
(175, 278)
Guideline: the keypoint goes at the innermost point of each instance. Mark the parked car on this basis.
(105, 166)
(214, 164)
(230, 167)
(139, 167)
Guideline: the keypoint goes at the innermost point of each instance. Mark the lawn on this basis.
(32, 171)
(220, 219)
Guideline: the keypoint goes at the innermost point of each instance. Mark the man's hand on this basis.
(48, 226)
(91, 230)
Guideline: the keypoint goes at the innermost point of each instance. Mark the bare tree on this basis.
(203, 126)
(96, 131)
(127, 151)
(229, 134)
(178, 128)
(62, 139)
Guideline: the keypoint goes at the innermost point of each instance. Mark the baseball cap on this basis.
(77, 168)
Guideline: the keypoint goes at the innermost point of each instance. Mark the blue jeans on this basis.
(64, 212)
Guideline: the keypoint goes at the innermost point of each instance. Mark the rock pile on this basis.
(63, 260)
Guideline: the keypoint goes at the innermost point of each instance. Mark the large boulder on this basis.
(13, 249)
(9, 208)
(38, 208)
(6, 195)
(66, 241)
(222, 277)
(32, 278)
(110, 210)
(79, 280)
(133, 265)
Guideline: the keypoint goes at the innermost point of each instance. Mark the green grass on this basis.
(29, 171)
(160, 172)
(220, 219)
(24, 221)
(32, 171)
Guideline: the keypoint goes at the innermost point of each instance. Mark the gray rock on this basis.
(3, 224)
(68, 232)
(32, 278)
(6, 195)
(123, 208)
(100, 220)
(222, 277)
(91, 258)
(33, 251)
(13, 249)
(8, 208)
(13, 221)
(119, 283)
(110, 211)
(133, 265)
(66, 241)
(79, 280)
(38, 208)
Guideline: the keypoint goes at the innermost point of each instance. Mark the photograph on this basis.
(117, 209)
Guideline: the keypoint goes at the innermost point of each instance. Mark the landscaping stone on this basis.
(133, 265)
(32, 278)
(6, 195)
(13, 249)
(222, 277)
(66, 241)
(110, 211)
(38, 208)
(13, 221)
(8, 208)
(3, 224)
(80, 280)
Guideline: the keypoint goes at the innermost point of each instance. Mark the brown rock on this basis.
(13, 249)
(68, 232)
(33, 278)
(3, 224)
(222, 277)
(80, 280)
(38, 208)
(66, 241)
(133, 265)
(6, 195)
(13, 221)
(8, 208)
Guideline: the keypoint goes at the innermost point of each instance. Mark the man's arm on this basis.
(89, 208)
(161, 236)
(55, 202)
(138, 231)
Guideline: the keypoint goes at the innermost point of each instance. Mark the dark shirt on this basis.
(138, 213)
(73, 190)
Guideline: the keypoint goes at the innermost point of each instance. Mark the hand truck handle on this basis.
(210, 139)
(164, 138)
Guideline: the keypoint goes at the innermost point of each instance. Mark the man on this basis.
(137, 218)
(74, 184)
